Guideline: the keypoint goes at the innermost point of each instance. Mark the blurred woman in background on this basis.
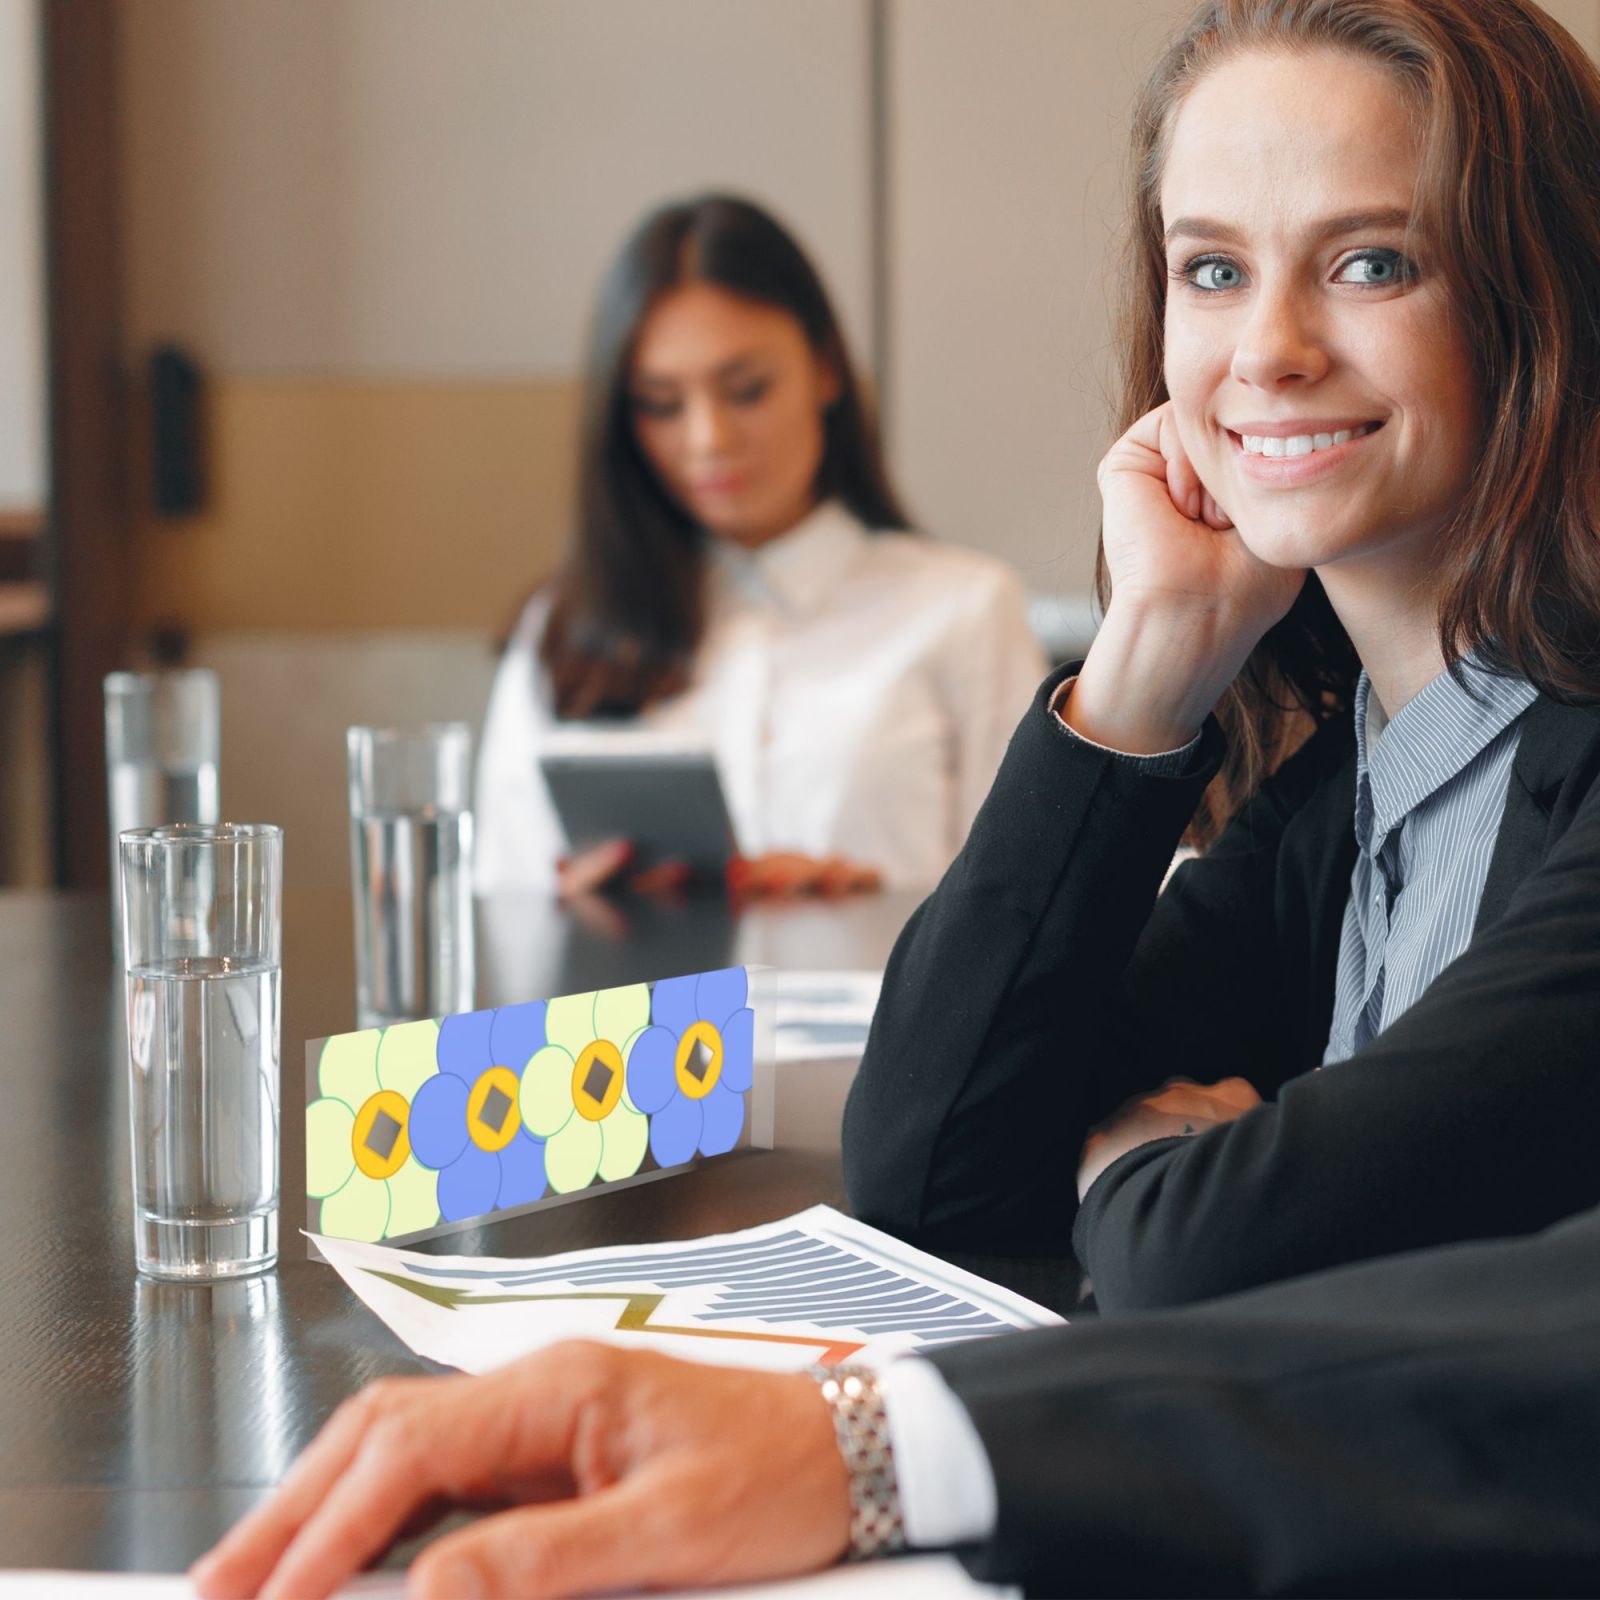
(742, 573)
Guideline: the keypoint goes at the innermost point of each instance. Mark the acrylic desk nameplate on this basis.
(423, 1128)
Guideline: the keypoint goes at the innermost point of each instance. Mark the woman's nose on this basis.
(1278, 344)
(707, 426)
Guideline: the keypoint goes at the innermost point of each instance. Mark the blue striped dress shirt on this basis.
(1430, 790)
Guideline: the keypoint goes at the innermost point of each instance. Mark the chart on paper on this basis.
(817, 1286)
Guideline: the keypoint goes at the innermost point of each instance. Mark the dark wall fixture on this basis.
(177, 446)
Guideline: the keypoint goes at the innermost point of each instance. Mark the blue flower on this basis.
(691, 1069)
(464, 1119)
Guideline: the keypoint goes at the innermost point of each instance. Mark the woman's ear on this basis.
(829, 386)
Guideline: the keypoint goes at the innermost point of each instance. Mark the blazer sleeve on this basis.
(1421, 1425)
(1472, 1116)
(1006, 1026)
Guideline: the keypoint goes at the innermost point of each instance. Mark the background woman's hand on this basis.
(622, 1469)
(786, 872)
(1177, 1108)
(601, 865)
(1188, 602)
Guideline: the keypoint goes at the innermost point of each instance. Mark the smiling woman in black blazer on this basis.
(1358, 494)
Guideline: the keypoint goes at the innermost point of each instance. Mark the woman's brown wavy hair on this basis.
(1509, 197)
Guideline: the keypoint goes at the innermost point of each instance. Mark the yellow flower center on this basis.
(597, 1080)
(492, 1116)
(699, 1062)
(379, 1141)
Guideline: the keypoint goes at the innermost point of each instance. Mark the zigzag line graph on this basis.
(638, 1308)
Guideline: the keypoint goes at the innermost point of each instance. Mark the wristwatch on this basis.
(861, 1424)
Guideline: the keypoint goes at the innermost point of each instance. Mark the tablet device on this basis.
(661, 794)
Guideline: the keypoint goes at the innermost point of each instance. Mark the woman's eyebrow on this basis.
(1329, 228)
(734, 365)
(730, 368)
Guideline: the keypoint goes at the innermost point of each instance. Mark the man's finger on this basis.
(236, 1567)
(624, 1537)
(451, 1442)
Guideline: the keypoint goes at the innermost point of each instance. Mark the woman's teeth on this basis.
(1300, 444)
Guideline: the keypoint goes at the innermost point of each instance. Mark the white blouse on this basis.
(856, 689)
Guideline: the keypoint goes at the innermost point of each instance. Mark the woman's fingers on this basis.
(591, 868)
(1213, 515)
(786, 872)
(1183, 482)
(1152, 447)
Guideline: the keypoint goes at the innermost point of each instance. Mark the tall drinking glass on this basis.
(203, 929)
(163, 737)
(411, 871)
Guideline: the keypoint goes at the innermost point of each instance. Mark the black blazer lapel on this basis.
(1554, 769)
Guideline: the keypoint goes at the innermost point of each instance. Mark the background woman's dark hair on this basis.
(1508, 107)
(628, 606)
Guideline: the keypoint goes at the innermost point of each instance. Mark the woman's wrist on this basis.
(1151, 677)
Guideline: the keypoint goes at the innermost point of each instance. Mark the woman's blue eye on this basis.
(1376, 267)
(1214, 273)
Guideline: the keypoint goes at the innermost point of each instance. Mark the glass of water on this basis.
(203, 932)
(411, 871)
(163, 735)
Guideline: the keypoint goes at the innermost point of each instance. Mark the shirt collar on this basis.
(801, 568)
(1432, 738)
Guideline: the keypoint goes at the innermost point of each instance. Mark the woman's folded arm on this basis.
(1474, 1115)
(1005, 1028)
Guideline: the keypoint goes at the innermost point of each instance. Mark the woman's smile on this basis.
(1290, 455)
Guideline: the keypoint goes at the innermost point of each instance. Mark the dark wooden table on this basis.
(139, 1419)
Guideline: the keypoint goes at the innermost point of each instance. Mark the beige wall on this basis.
(1010, 122)
(425, 188)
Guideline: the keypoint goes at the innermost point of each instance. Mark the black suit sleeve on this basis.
(1426, 1424)
(1472, 1116)
(1037, 987)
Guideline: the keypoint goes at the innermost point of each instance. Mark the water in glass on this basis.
(413, 896)
(203, 1042)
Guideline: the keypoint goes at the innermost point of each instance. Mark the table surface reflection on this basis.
(139, 1419)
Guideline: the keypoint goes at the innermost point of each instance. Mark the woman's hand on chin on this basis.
(781, 873)
(1188, 602)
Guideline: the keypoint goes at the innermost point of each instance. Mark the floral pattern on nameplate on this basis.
(439, 1124)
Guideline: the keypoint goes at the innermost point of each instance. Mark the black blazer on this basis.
(1426, 1424)
(1044, 982)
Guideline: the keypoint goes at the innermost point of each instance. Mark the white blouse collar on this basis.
(802, 567)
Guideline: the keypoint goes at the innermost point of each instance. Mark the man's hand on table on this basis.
(620, 1469)
(1176, 1108)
